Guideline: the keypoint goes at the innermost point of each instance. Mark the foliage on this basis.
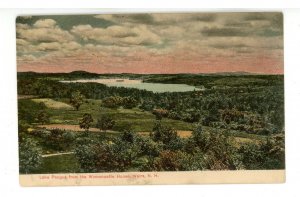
(43, 117)
(55, 139)
(167, 136)
(117, 101)
(29, 155)
(86, 121)
(249, 106)
(266, 155)
(112, 102)
(77, 99)
(28, 110)
(105, 123)
(218, 147)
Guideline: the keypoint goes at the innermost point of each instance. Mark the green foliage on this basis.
(77, 99)
(105, 123)
(112, 102)
(129, 102)
(23, 126)
(117, 101)
(266, 155)
(246, 106)
(29, 156)
(107, 156)
(29, 110)
(56, 139)
(43, 117)
(169, 161)
(125, 153)
(160, 113)
(58, 164)
(86, 121)
(163, 133)
(218, 147)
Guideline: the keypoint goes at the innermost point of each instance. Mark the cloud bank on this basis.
(152, 43)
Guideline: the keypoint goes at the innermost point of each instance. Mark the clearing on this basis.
(50, 103)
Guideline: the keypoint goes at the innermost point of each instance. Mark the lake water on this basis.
(139, 84)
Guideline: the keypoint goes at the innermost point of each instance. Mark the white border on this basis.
(8, 120)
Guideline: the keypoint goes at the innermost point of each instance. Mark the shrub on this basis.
(29, 156)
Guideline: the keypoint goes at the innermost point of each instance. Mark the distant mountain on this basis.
(236, 73)
(84, 74)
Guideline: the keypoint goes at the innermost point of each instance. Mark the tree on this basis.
(104, 123)
(86, 121)
(167, 136)
(43, 117)
(29, 155)
(112, 101)
(129, 102)
(160, 113)
(217, 147)
(76, 99)
(169, 161)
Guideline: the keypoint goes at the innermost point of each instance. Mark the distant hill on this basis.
(236, 73)
(83, 74)
(74, 74)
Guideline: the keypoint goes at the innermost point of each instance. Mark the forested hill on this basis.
(235, 79)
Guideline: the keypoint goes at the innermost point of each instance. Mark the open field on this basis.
(59, 164)
(138, 119)
(50, 103)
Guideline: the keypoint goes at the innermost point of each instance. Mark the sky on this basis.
(151, 43)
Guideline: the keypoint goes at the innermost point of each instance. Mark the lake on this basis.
(139, 84)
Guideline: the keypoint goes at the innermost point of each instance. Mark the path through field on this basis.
(26, 96)
(75, 128)
(57, 154)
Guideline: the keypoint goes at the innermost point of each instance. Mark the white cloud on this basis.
(45, 23)
(167, 34)
(22, 42)
(43, 31)
(27, 58)
(51, 46)
(71, 45)
(20, 26)
(118, 35)
(45, 35)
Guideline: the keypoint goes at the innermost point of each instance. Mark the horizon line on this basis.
(225, 72)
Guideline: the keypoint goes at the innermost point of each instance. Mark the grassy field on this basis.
(65, 117)
(141, 121)
(68, 118)
(50, 103)
(59, 164)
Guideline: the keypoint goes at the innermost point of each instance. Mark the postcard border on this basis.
(154, 178)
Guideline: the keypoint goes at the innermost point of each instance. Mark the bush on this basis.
(167, 136)
(29, 156)
(129, 102)
(68, 136)
(169, 161)
(112, 101)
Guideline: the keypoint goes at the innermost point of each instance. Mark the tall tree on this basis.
(76, 99)
(86, 121)
(104, 123)
(43, 117)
